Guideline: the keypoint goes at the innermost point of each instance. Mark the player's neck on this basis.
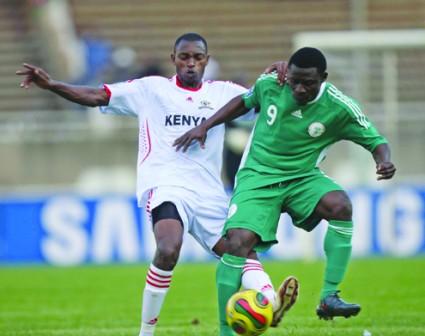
(194, 87)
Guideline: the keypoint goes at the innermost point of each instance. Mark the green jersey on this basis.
(290, 140)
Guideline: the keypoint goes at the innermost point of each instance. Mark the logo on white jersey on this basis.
(183, 120)
(189, 99)
(297, 114)
(232, 210)
(205, 104)
(316, 129)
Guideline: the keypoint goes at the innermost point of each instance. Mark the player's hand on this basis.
(385, 170)
(197, 133)
(34, 75)
(281, 68)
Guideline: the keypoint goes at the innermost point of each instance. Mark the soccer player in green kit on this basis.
(296, 125)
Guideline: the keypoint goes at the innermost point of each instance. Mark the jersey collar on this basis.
(322, 89)
(180, 85)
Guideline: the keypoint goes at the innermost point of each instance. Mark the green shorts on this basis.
(259, 210)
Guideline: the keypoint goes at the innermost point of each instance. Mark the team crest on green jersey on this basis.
(316, 129)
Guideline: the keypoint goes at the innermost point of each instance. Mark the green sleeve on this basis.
(250, 98)
(363, 133)
(253, 97)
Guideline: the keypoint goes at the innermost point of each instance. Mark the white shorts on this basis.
(203, 215)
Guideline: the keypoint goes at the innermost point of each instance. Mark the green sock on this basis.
(338, 252)
(228, 282)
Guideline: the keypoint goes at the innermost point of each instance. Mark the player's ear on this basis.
(173, 58)
(324, 76)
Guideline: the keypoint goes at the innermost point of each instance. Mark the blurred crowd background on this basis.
(47, 144)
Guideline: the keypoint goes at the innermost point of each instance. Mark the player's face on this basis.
(304, 83)
(190, 60)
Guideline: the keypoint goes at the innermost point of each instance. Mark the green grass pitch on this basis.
(106, 300)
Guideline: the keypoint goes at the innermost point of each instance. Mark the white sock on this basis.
(254, 277)
(156, 288)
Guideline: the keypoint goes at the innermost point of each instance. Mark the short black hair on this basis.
(308, 57)
(191, 37)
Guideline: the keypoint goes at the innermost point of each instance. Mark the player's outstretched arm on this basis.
(83, 95)
(232, 110)
(384, 167)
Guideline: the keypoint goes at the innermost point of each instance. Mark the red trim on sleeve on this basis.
(108, 91)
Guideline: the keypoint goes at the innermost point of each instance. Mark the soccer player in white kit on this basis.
(182, 194)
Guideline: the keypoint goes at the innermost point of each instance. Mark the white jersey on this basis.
(166, 111)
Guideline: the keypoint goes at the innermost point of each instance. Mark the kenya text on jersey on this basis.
(183, 120)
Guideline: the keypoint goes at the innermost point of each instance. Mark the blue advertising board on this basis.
(69, 229)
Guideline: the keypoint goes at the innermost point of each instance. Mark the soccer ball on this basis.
(249, 313)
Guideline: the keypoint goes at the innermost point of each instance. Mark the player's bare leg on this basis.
(168, 235)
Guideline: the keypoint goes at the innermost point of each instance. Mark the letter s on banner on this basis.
(66, 241)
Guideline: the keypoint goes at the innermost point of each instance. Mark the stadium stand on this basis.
(18, 43)
(244, 36)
